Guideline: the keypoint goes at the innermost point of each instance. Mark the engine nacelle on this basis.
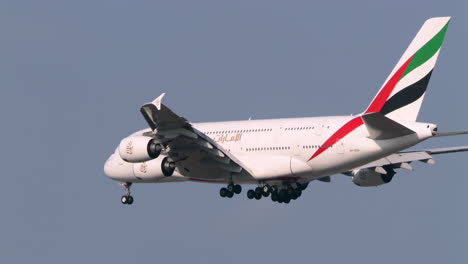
(149, 170)
(370, 178)
(137, 149)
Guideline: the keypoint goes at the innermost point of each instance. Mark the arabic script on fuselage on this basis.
(223, 138)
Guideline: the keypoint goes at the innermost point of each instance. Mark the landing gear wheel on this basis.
(258, 190)
(258, 196)
(282, 195)
(223, 192)
(237, 189)
(258, 193)
(280, 200)
(274, 188)
(298, 185)
(274, 196)
(127, 198)
(266, 190)
(250, 194)
(293, 196)
(298, 192)
(229, 194)
(167, 166)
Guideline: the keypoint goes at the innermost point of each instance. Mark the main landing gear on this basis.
(127, 198)
(282, 194)
(230, 190)
(263, 191)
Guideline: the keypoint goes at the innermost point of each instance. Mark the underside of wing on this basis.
(194, 154)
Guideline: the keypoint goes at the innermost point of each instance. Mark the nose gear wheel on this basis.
(127, 198)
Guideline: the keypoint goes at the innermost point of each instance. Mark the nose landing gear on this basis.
(127, 198)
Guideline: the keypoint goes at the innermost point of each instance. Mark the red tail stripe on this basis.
(375, 106)
(339, 134)
(382, 97)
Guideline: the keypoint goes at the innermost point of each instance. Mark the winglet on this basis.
(159, 116)
(157, 101)
(149, 111)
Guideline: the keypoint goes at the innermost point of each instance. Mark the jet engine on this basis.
(151, 170)
(137, 149)
(370, 178)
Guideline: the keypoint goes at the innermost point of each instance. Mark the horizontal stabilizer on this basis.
(447, 150)
(447, 134)
(381, 127)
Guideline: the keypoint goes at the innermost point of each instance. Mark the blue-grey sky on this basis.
(74, 74)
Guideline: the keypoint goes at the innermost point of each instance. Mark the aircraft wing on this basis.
(195, 154)
(403, 159)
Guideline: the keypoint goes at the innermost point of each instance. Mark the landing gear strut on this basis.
(230, 190)
(127, 198)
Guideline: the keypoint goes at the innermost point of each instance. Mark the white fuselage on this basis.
(282, 149)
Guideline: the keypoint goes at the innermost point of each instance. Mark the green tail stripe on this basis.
(427, 51)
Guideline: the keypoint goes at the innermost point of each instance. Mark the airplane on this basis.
(281, 156)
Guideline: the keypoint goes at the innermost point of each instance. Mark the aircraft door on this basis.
(339, 147)
(296, 148)
(320, 127)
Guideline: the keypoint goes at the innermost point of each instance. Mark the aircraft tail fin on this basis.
(401, 95)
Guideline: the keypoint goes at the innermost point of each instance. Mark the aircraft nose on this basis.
(108, 166)
(117, 169)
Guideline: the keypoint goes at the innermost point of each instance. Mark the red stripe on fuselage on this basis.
(383, 95)
(375, 106)
(339, 134)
